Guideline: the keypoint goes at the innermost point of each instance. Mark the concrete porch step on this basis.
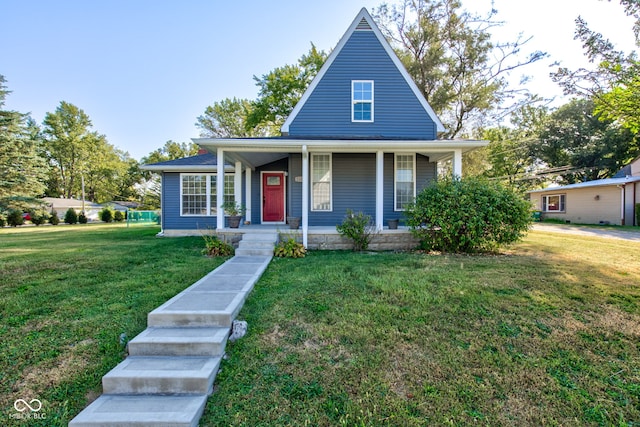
(260, 237)
(179, 342)
(162, 375)
(142, 411)
(199, 309)
(257, 244)
(254, 252)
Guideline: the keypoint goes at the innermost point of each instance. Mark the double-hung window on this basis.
(199, 193)
(362, 101)
(553, 203)
(405, 182)
(321, 182)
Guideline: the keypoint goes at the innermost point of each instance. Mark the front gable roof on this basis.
(363, 22)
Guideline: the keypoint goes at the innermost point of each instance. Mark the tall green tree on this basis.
(281, 89)
(23, 170)
(581, 145)
(75, 152)
(614, 82)
(228, 119)
(449, 53)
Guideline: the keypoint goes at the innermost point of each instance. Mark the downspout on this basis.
(622, 197)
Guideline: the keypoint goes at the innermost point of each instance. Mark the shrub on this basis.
(216, 247)
(15, 218)
(71, 217)
(468, 215)
(106, 214)
(39, 217)
(359, 228)
(290, 248)
(118, 216)
(82, 218)
(53, 219)
(3, 219)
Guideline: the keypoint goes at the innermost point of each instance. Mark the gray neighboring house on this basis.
(603, 201)
(362, 137)
(61, 206)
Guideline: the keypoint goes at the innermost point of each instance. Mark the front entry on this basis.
(273, 197)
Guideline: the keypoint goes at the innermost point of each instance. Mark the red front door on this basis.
(273, 197)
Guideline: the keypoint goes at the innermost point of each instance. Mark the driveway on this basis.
(612, 233)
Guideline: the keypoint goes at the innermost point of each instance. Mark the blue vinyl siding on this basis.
(398, 113)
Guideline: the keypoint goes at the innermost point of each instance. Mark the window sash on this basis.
(198, 195)
(404, 180)
(362, 100)
(321, 182)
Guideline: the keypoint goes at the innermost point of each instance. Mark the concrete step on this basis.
(200, 309)
(142, 411)
(260, 237)
(179, 342)
(258, 244)
(254, 252)
(162, 375)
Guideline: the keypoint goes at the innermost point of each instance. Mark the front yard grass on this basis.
(67, 295)
(546, 334)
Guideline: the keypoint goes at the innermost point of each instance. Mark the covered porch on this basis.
(247, 155)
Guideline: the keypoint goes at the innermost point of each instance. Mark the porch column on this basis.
(220, 188)
(457, 163)
(305, 195)
(247, 193)
(237, 183)
(379, 190)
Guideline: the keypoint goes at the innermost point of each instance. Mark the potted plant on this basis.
(393, 223)
(294, 222)
(235, 212)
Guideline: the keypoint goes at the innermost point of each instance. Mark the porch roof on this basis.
(258, 151)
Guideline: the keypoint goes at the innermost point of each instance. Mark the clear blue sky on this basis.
(143, 70)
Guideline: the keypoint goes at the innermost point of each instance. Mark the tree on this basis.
(280, 91)
(77, 153)
(23, 170)
(614, 84)
(583, 146)
(450, 55)
(228, 119)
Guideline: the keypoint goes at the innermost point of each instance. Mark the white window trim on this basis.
(208, 194)
(395, 181)
(545, 206)
(353, 102)
(312, 155)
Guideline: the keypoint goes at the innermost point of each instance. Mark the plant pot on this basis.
(393, 224)
(294, 222)
(234, 221)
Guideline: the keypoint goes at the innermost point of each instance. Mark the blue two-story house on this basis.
(362, 137)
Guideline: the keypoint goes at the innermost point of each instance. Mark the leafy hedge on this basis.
(468, 215)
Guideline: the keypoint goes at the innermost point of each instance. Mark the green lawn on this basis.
(547, 333)
(68, 293)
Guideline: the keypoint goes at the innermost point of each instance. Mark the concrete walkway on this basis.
(172, 364)
(608, 232)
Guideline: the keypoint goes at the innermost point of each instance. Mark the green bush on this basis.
(468, 215)
(54, 219)
(3, 219)
(71, 217)
(216, 247)
(14, 218)
(82, 218)
(359, 228)
(39, 217)
(290, 248)
(118, 216)
(106, 214)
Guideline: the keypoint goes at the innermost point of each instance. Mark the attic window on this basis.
(362, 100)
